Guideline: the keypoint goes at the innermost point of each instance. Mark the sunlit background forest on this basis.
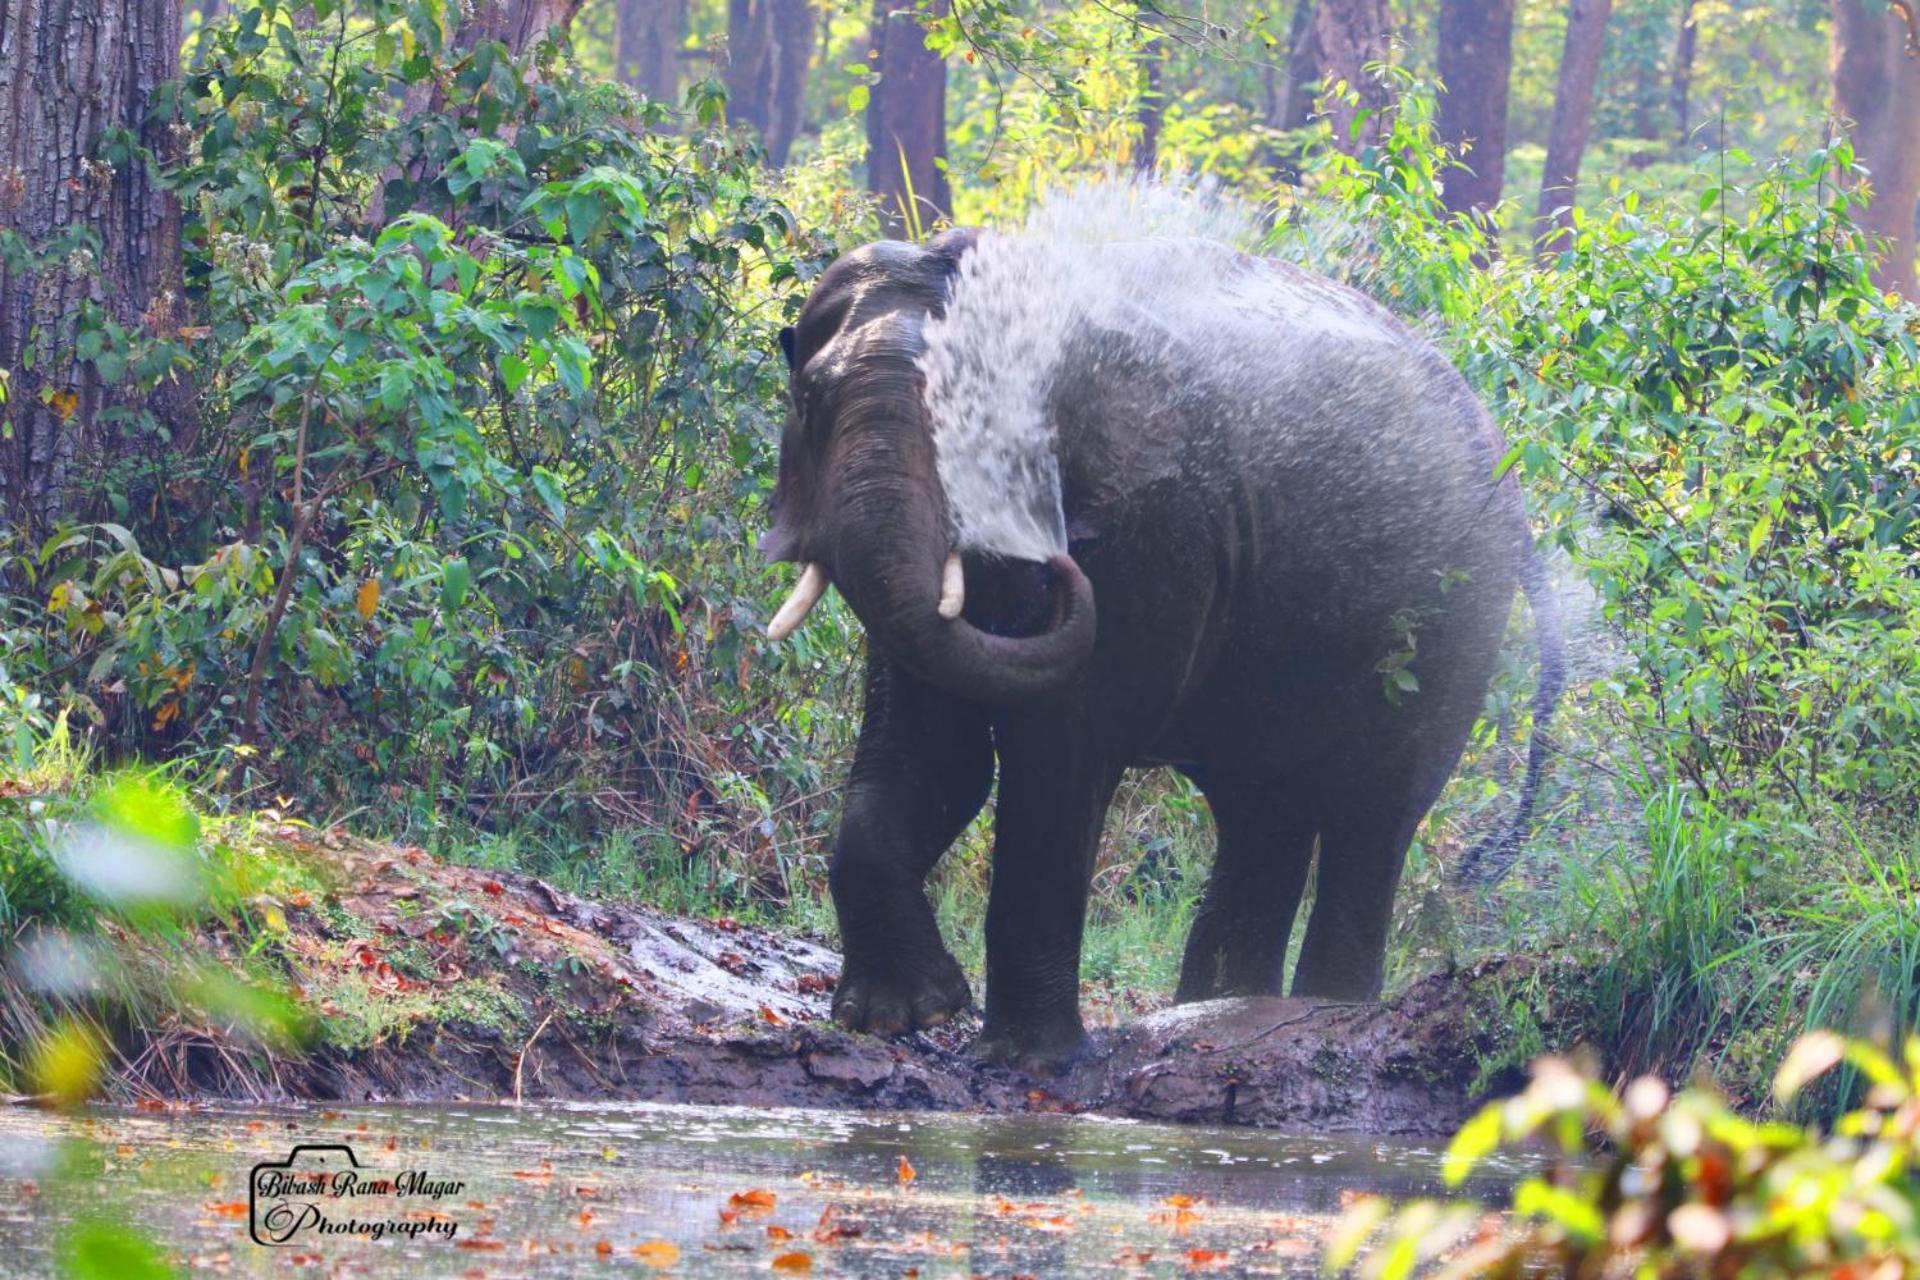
(391, 396)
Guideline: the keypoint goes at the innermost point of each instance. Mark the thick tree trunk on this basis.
(1680, 92)
(907, 122)
(1876, 87)
(518, 24)
(70, 72)
(1342, 37)
(1292, 106)
(1476, 65)
(749, 58)
(1572, 117)
(769, 43)
(793, 30)
(647, 39)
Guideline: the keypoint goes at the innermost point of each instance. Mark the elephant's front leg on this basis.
(1053, 799)
(920, 773)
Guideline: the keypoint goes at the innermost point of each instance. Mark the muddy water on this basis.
(571, 1190)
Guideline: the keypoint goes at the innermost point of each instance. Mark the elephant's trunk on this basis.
(893, 561)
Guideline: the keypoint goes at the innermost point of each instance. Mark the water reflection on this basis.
(552, 1190)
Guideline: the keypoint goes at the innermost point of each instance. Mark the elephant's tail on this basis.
(1489, 860)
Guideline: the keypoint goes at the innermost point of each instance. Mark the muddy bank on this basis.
(437, 983)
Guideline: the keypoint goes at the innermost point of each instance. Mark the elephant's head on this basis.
(859, 501)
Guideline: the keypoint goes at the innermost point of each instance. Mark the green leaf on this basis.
(99, 1250)
(455, 579)
(858, 97)
(547, 485)
(1476, 1140)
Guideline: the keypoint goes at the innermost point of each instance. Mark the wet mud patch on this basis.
(437, 983)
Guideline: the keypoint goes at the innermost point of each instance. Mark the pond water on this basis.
(560, 1190)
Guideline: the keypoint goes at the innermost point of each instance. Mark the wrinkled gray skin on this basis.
(1255, 545)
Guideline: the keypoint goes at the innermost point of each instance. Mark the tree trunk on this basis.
(1572, 116)
(1680, 94)
(1342, 37)
(647, 39)
(1876, 87)
(749, 57)
(1151, 111)
(518, 24)
(70, 72)
(907, 122)
(1476, 65)
(769, 43)
(793, 28)
(1293, 106)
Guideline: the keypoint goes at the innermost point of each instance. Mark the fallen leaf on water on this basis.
(776, 1232)
(904, 1171)
(772, 1019)
(793, 1262)
(657, 1253)
(230, 1209)
(1206, 1257)
(757, 1200)
(544, 1172)
(484, 1246)
(604, 1248)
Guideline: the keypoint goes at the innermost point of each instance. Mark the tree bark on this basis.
(907, 122)
(1292, 107)
(1680, 93)
(1876, 88)
(1476, 66)
(1572, 117)
(647, 39)
(1342, 37)
(769, 43)
(793, 30)
(70, 72)
(1151, 110)
(518, 24)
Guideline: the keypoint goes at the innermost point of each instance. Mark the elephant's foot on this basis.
(901, 994)
(1039, 1049)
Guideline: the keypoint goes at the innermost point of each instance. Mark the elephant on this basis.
(1131, 504)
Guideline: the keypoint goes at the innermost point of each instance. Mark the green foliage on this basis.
(1716, 410)
(489, 397)
(1650, 1184)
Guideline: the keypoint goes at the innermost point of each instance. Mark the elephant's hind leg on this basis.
(1363, 844)
(921, 772)
(1238, 943)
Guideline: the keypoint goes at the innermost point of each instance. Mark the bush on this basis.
(488, 402)
(1649, 1184)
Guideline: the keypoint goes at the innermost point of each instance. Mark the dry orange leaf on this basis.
(904, 1171)
(657, 1253)
(483, 1246)
(1206, 1257)
(756, 1199)
(604, 1248)
(231, 1209)
(367, 599)
(776, 1232)
(794, 1262)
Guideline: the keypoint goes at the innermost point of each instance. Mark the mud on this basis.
(589, 1000)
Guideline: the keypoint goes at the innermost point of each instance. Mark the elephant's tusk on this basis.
(953, 588)
(806, 594)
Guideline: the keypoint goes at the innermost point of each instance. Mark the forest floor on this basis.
(431, 982)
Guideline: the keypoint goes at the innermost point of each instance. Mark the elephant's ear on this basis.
(787, 345)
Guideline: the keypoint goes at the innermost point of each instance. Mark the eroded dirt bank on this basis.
(436, 983)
